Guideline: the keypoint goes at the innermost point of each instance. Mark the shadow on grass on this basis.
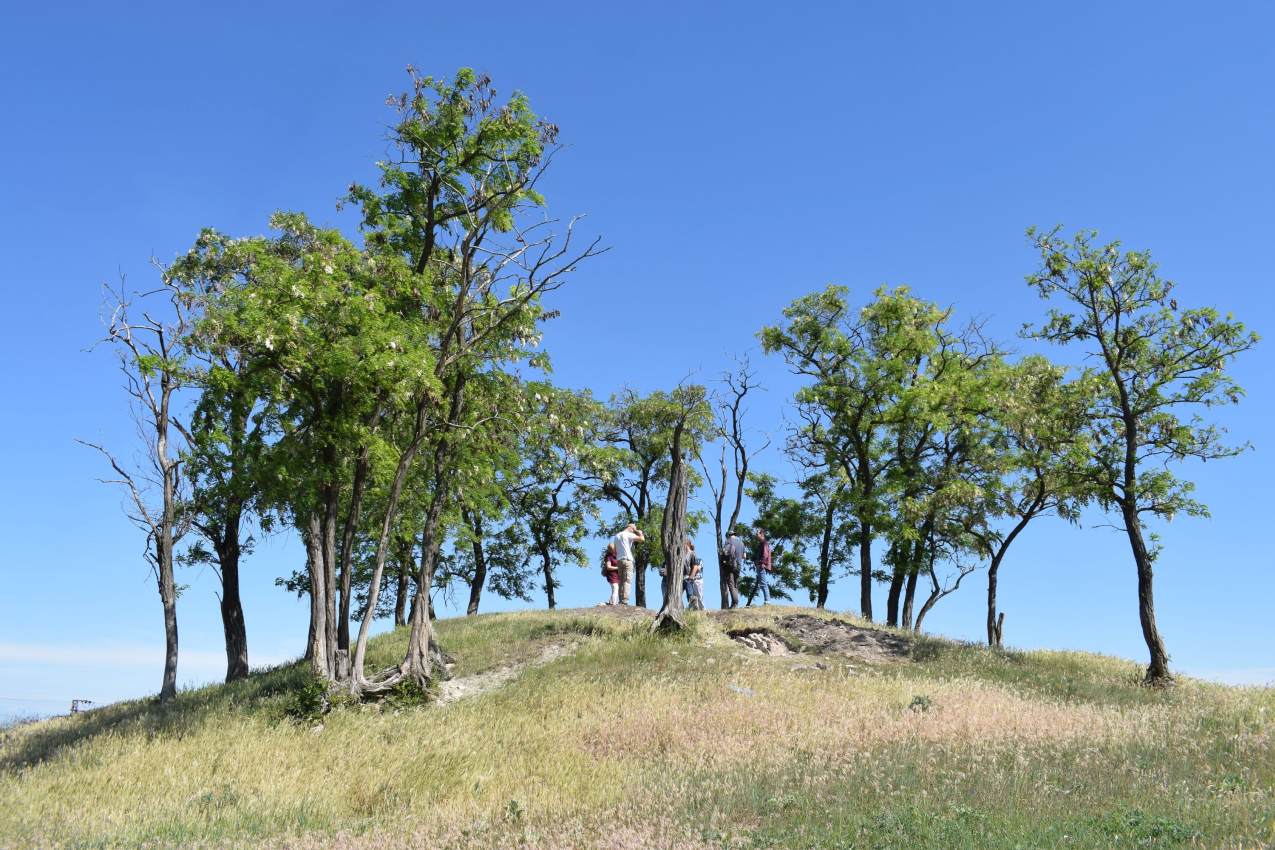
(34, 744)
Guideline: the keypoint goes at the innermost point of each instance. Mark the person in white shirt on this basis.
(623, 542)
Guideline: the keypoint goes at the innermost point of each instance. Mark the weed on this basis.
(309, 702)
(926, 648)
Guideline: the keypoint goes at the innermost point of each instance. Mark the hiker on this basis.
(763, 566)
(623, 542)
(733, 556)
(611, 572)
(694, 581)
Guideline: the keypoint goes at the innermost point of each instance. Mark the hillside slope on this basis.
(579, 729)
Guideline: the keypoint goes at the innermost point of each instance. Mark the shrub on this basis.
(308, 702)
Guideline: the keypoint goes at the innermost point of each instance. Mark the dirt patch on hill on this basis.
(806, 634)
(481, 683)
(760, 640)
(835, 637)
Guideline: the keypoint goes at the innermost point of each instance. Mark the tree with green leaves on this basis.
(824, 493)
(866, 370)
(329, 331)
(457, 205)
(1040, 447)
(1155, 366)
(227, 446)
(551, 496)
(790, 525)
(226, 449)
(639, 440)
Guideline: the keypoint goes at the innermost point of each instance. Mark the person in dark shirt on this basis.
(735, 554)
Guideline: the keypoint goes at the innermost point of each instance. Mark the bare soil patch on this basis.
(809, 635)
(835, 637)
(760, 640)
(480, 683)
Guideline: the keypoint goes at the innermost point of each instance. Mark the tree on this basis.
(550, 497)
(456, 206)
(689, 417)
(640, 436)
(732, 477)
(226, 446)
(862, 368)
(1155, 366)
(153, 358)
(329, 331)
(825, 498)
(1041, 445)
(791, 525)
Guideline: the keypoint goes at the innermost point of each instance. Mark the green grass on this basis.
(643, 741)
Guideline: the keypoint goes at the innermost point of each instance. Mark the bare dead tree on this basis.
(734, 459)
(151, 352)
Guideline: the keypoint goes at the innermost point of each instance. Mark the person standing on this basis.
(734, 553)
(623, 542)
(763, 566)
(611, 572)
(694, 581)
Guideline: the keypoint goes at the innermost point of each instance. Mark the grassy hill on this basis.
(578, 729)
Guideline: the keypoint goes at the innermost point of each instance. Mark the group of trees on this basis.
(925, 437)
(387, 399)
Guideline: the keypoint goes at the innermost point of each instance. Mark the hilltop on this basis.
(775, 727)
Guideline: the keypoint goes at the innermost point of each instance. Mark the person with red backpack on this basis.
(611, 572)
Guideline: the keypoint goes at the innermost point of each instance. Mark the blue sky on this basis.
(735, 156)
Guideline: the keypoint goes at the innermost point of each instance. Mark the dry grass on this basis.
(635, 741)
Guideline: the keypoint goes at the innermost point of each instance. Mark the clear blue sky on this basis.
(735, 156)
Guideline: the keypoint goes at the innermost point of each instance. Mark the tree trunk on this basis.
(1158, 668)
(168, 599)
(865, 567)
(400, 594)
(936, 593)
(546, 561)
(994, 623)
(673, 541)
(317, 650)
(232, 618)
(909, 596)
(347, 548)
(892, 598)
(164, 545)
(357, 680)
(640, 563)
(331, 511)
(825, 556)
(723, 582)
(475, 523)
